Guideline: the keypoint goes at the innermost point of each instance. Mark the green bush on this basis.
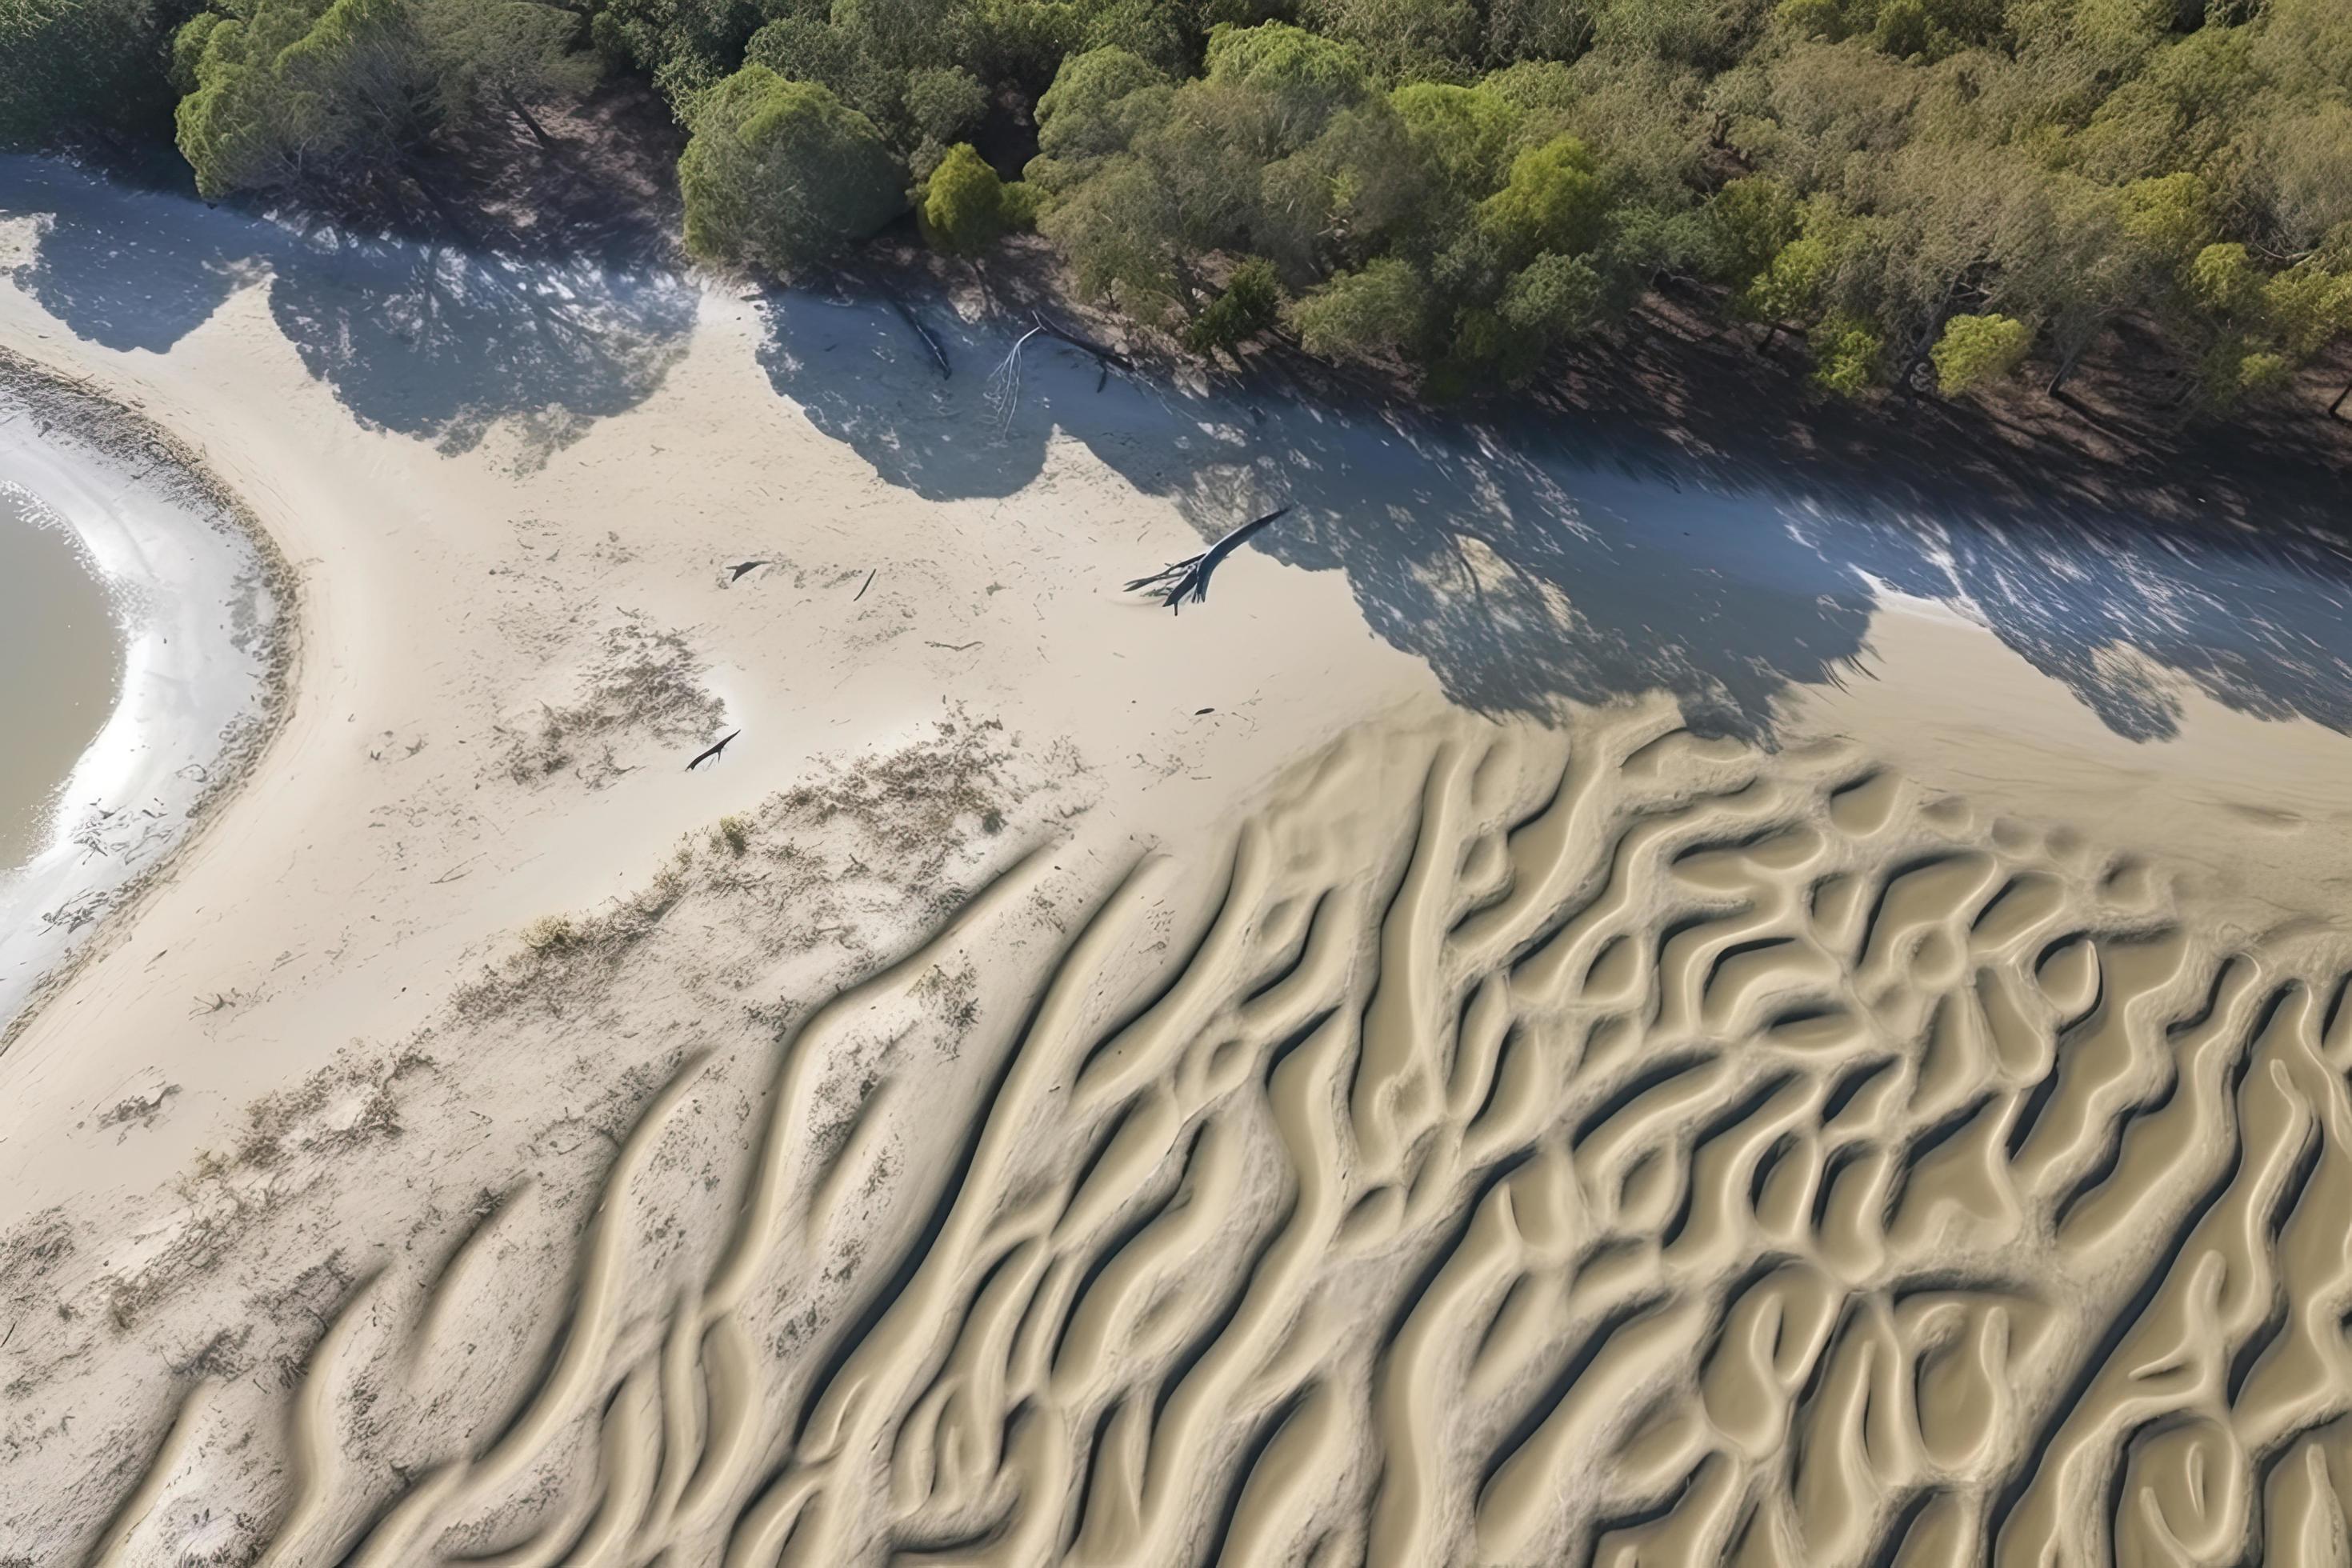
(1361, 315)
(966, 208)
(779, 174)
(1846, 350)
(1976, 350)
(1251, 302)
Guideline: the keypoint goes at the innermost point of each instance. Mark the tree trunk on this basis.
(523, 113)
(1925, 344)
(2065, 370)
(1771, 336)
(1189, 285)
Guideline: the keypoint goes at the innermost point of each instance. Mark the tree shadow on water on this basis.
(1525, 570)
(417, 335)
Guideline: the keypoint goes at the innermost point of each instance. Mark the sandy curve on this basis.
(208, 605)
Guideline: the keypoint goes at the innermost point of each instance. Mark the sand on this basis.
(197, 595)
(1078, 1084)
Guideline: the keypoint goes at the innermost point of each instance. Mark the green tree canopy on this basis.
(966, 208)
(1077, 116)
(1461, 184)
(77, 66)
(1553, 201)
(1976, 351)
(1464, 133)
(316, 93)
(316, 96)
(1546, 302)
(780, 173)
(1749, 223)
(1363, 315)
(1402, 38)
(1304, 78)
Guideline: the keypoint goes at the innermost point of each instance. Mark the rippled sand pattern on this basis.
(1617, 1147)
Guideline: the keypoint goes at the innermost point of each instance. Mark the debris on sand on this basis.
(1189, 578)
(710, 753)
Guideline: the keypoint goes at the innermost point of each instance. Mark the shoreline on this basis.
(1684, 398)
(165, 489)
(472, 990)
(1594, 433)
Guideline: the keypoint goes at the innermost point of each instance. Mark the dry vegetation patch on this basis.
(288, 1142)
(645, 682)
(809, 867)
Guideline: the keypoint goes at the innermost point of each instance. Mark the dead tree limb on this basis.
(1107, 355)
(710, 753)
(1004, 383)
(939, 351)
(1189, 578)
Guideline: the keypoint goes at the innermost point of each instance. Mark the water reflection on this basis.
(413, 336)
(61, 658)
(1525, 568)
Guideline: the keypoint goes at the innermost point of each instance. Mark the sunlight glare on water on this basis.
(60, 661)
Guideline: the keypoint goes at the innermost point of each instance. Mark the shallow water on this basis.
(63, 655)
(134, 635)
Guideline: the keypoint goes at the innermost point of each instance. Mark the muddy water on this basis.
(60, 666)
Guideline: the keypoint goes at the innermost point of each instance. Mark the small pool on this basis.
(61, 656)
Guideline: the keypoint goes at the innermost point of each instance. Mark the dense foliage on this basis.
(1927, 192)
(316, 96)
(780, 172)
(92, 65)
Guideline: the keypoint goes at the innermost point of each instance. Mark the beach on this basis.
(196, 593)
(1552, 1015)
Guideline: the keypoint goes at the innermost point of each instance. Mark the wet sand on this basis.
(1556, 1019)
(154, 648)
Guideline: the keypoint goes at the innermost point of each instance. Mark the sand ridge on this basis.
(1525, 1147)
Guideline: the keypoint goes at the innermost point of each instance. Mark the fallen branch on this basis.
(906, 314)
(712, 754)
(1004, 383)
(1189, 578)
(1107, 355)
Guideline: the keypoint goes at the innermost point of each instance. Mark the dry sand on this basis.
(1003, 1115)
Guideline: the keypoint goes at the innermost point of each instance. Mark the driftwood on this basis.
(939, 351)
(1005, 384)
(710, 753)
(1107, 355)
(1189, 578)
